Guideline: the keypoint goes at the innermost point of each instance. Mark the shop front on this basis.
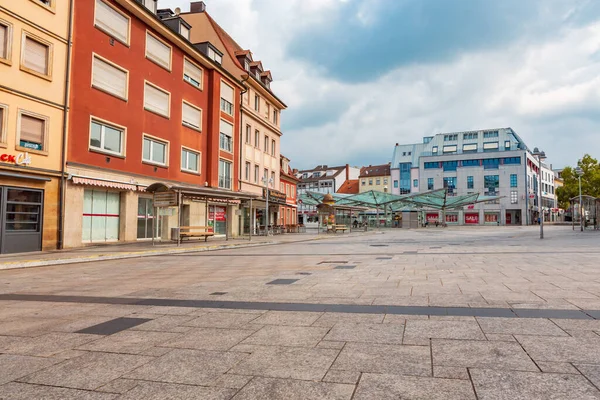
(472, 218)
(29, 199)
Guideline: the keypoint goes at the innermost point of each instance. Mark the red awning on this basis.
(107, 184)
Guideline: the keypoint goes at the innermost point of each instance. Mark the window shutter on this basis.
(156, 100)
(3, 38)
(112, 21)
(109, 78)
(158, 51)
(191, 115)
(227, 92)
(226, 128)
(36, 56)
(192, 71)
(32, 129)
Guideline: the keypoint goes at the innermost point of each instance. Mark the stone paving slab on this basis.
(17, 366)
(381, 358)
(561, 349)
(289, 389)
(129, 342)
(272, 335)
(367, 333)
(89, 371)
(208, 339)
(222, 319)
(519, 385)
(482, 354)
(383, 387)
(419, 332)
(49, 344)
(25, 391)
(161, 391)
(287, 362)
(181, 366)
(287, 318)
(511, 326)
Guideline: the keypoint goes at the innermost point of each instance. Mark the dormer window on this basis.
(214, 56)
(184, 31)
(150, 5)
(246, 65)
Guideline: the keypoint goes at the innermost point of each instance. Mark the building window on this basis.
(266, 148)
(512, 160)
(491, 163)
(415, 183)
(470, 136)
(184, 31)
(191, 116)
(513, 180)
(385, 181)
(434, 150)
(403, 153)
(267, 110)
(109, 78)
(257, 139)
(192, 74)
(507, 144)
(491, 183)
(256, 173)
(33, 131)
(431, 165)
(151, 5)
(450, 165)
(215, 56)
(471, 163)
(265, 175)
(36, 56)
(5, 41)
(247, 172)
(469, 182)
(490, 134)
(190, 160)
(470, 148)
(112, 22)
(154, 151)
(225, 136)
(248, 134)
(273, 177)
(3, 116)
(226, 98)
(157, 100)
(363, 182)
(273, 147)
(256, 103)
(490, 146)
(514, 197)
(370, 182)
(450, 149)
(429, 183)
(106, 138)
(224, 174)
(275, 117)
(378, 181)
(449, 138)
(158, 52)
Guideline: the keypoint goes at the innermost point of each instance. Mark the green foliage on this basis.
(590, 181)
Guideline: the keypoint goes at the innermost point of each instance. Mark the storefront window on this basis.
(492, 217)
(217, 219)
(452, 218)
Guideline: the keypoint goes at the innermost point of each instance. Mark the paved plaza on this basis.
(454, 313)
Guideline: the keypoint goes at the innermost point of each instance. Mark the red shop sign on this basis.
(19, 159)
(432, 217)
(217, 214)
(471, 218)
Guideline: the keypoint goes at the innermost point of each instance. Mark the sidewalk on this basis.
(119, 251)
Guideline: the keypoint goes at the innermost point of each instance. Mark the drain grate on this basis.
(378, 245)
(345, 267)
(333, 262)
(410, 252)
(114, 326)
(303, 273)
(282, 282)
(383, 258)
(218, 293)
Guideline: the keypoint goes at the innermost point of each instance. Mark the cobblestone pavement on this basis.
(455, 313)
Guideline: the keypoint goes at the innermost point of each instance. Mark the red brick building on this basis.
(288, 213)
(146, 106)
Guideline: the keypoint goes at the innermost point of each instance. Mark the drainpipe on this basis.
(63, 183)
(250, 224)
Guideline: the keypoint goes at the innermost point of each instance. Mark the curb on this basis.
(151, 253)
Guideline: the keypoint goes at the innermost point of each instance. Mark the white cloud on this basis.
(541, 89)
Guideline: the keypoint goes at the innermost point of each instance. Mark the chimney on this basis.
(197, 7)
(347, 172)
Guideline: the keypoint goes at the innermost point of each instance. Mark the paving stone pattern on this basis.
(455, 313)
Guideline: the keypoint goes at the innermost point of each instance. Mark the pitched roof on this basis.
(349, 187)
(375, 170)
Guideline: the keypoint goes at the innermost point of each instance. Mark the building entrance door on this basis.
(21, 219)
(146, 218)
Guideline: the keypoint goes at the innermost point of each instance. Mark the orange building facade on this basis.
(147, 106)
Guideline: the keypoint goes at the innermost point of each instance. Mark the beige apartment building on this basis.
(260, 112)
(375, 177)
(34, 43)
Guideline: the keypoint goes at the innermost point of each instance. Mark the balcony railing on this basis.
(224, 182)
(225, 143)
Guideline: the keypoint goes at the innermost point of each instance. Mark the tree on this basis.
(590, 181)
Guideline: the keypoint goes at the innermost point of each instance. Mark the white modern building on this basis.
(491, 162)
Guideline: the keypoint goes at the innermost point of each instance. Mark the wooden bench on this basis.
(337, 227)
(195, 231)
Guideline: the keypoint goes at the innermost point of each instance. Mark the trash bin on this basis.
(175, 234)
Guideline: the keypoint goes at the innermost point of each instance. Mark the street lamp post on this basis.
(541, 155)
(579, 173)
(267, 181)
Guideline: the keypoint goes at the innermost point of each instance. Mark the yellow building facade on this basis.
(34, 53)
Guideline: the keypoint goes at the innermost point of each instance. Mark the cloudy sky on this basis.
(359, 76)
